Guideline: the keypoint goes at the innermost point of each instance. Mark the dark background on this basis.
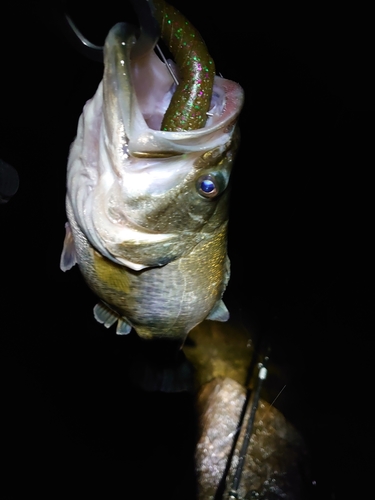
(300, 244)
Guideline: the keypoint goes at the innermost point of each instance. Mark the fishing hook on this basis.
(148, 36)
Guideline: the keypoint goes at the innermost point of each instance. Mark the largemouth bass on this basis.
(147, 192)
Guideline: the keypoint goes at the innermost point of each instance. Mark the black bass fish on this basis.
(147, 186)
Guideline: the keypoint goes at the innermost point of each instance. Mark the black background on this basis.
(300, 243)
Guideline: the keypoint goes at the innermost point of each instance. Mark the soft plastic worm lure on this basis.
(192, 98)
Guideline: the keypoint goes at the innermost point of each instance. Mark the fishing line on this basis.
(278, 394)
(167, 65)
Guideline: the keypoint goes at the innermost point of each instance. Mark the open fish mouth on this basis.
(142, 92)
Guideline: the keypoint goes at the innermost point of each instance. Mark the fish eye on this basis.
(208, 186)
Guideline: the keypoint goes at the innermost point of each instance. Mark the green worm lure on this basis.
(191, 101)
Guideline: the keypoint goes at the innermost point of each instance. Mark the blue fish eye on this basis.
(207, 186)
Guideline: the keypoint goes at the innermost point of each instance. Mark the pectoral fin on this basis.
(108, 317)
(123, 327)
(219, 312)
(68, 256)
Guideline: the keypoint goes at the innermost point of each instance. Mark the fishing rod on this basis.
(252, 396)
(262, 375)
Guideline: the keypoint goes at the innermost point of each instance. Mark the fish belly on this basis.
(159, 302)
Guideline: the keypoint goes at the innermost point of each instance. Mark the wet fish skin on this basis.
(148, 237)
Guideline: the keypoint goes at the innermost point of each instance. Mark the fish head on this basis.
(142, 196)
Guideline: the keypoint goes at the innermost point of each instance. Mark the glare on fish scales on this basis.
(155, 253)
